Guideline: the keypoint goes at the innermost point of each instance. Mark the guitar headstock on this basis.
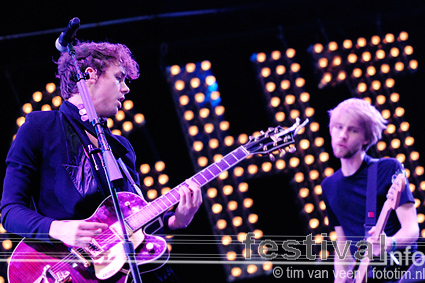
(399, 184)
(275, 139)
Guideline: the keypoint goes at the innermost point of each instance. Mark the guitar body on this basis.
(30, 259)
(37, 261)
(104, 259)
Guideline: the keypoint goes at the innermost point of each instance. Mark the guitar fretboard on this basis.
(164, 202)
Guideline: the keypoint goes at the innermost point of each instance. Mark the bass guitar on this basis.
(37, 261)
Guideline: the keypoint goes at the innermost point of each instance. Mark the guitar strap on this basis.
(372, 176)
(129, 178)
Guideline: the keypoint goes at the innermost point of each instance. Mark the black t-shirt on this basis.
(345, 198)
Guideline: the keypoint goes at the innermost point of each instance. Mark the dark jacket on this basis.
(48, 175)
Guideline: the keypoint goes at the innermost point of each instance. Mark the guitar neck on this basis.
(168, 200)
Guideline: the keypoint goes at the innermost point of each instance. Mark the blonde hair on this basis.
(367, 115)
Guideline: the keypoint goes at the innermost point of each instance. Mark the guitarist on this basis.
(54, 178)
(355, 126)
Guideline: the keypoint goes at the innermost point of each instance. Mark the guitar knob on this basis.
(150, 248)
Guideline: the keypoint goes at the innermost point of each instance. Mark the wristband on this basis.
(394, 245)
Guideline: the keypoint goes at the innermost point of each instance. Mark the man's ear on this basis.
(365, 144)
(366, 141)
(92, 74)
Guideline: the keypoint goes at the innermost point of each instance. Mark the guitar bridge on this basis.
(62, 277)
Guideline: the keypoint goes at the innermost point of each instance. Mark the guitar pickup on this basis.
(94, 249)
(116, 228)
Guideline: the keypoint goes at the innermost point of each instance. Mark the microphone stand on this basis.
(112, 172)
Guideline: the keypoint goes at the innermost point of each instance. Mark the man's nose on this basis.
(124, 88)
(343, 133)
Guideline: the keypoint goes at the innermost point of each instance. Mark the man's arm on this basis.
(409, 231)
(406, 214)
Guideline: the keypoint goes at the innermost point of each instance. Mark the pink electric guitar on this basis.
(41, 262)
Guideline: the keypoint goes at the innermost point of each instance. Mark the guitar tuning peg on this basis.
(292, 149)
(270, 129)
(262, 132)
(282, 153)
(271, 157)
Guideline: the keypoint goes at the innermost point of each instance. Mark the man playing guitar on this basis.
(354, 127)
(54, 176)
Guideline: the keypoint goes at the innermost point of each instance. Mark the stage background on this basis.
(227, 33)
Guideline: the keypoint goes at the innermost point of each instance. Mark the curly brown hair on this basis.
(98, 56)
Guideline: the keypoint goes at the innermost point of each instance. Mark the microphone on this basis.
(68, 35)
